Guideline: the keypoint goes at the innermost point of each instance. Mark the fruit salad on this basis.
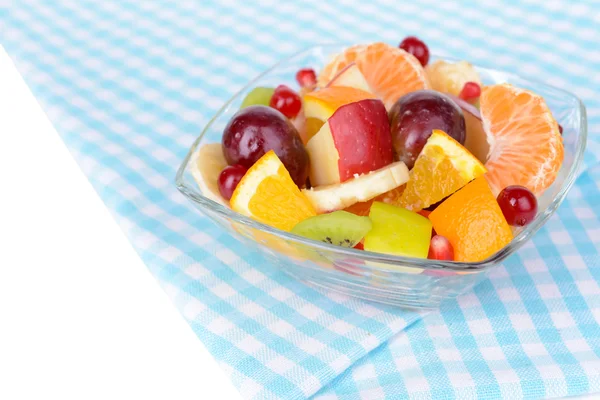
(385, 152)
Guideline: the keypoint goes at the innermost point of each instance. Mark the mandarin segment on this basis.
(390, 72)
(443, 167)
(267, 194)
(473, 222)
(526, 147)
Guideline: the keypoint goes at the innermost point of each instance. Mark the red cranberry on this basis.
(229, 179)
(286, 101)
(518, 205)
(417, 48)
(306, 77)
(470, 91)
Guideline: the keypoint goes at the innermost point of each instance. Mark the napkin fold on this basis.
(130, 84)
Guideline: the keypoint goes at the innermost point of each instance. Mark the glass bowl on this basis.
(401, 281)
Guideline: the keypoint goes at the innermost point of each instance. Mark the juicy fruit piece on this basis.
(259, 96)
(518, 205)
(350, 77)
(206, 167)
(229, 179)
(354, 140)
(360, 189)
(476, 139)
(286, 101)
(306, 78)
(449, 77)
(397, 231)
(526, 147)
(255, 130)
(389, 71)
(414, 116)
(321, 104)
(440, 248)
(268, 194)
(470, 91)
(339, 228)
(443, 167)
(472, 221)
(417, 48)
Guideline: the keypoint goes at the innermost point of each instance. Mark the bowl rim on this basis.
(386, 262)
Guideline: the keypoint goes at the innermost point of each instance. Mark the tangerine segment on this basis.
(443, 167)
(472, 221)
(268, 194)
(363, 208)
(390, 71)
(526, 147)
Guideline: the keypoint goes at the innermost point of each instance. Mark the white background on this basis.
(80, 316)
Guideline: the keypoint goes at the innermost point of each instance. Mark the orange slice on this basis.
(319, 105)
(526, 147)
(268, 194)
(472, 221)
(390, 71)
(443, 167)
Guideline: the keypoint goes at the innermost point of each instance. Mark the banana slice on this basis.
(361, 188)
(207, 164)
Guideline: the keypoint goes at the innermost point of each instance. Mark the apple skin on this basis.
(355, 140)
(350, 76)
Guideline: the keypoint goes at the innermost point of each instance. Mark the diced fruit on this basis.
(229, 179)
(417, 48)
(259, 96)
(286, 101)
(206, 167)
(476, 139)
(389, 197)
(414, 116)
(360, 189)
(268, 194)
(339, 228)
(450, 78)
(321, 104)
(398, 231)
(443, 167)
(350, 77)
(306, 78)
(518, 205)
(526, 147)
(389, 71)
(470, 91)
(255, 130)
(440, 248)
(472, 221)
(355, 140)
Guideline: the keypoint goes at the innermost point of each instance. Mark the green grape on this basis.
(258, 96)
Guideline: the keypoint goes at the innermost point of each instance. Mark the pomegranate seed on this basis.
(518, 205)
(440, 248)
(286, 101)
(470, 91)
(560, 128)
(417, 48)
(306, 77)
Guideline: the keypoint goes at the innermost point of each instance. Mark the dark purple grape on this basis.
(415, 115)
(255, 130)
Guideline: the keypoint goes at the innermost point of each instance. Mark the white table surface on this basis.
(80, 315)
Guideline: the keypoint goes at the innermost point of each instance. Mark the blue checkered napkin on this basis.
(530, 331)
(129, 85)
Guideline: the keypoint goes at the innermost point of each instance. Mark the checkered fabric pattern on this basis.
(130, 84)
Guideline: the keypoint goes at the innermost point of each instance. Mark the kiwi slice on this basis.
(339, 227)
(258, 96)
